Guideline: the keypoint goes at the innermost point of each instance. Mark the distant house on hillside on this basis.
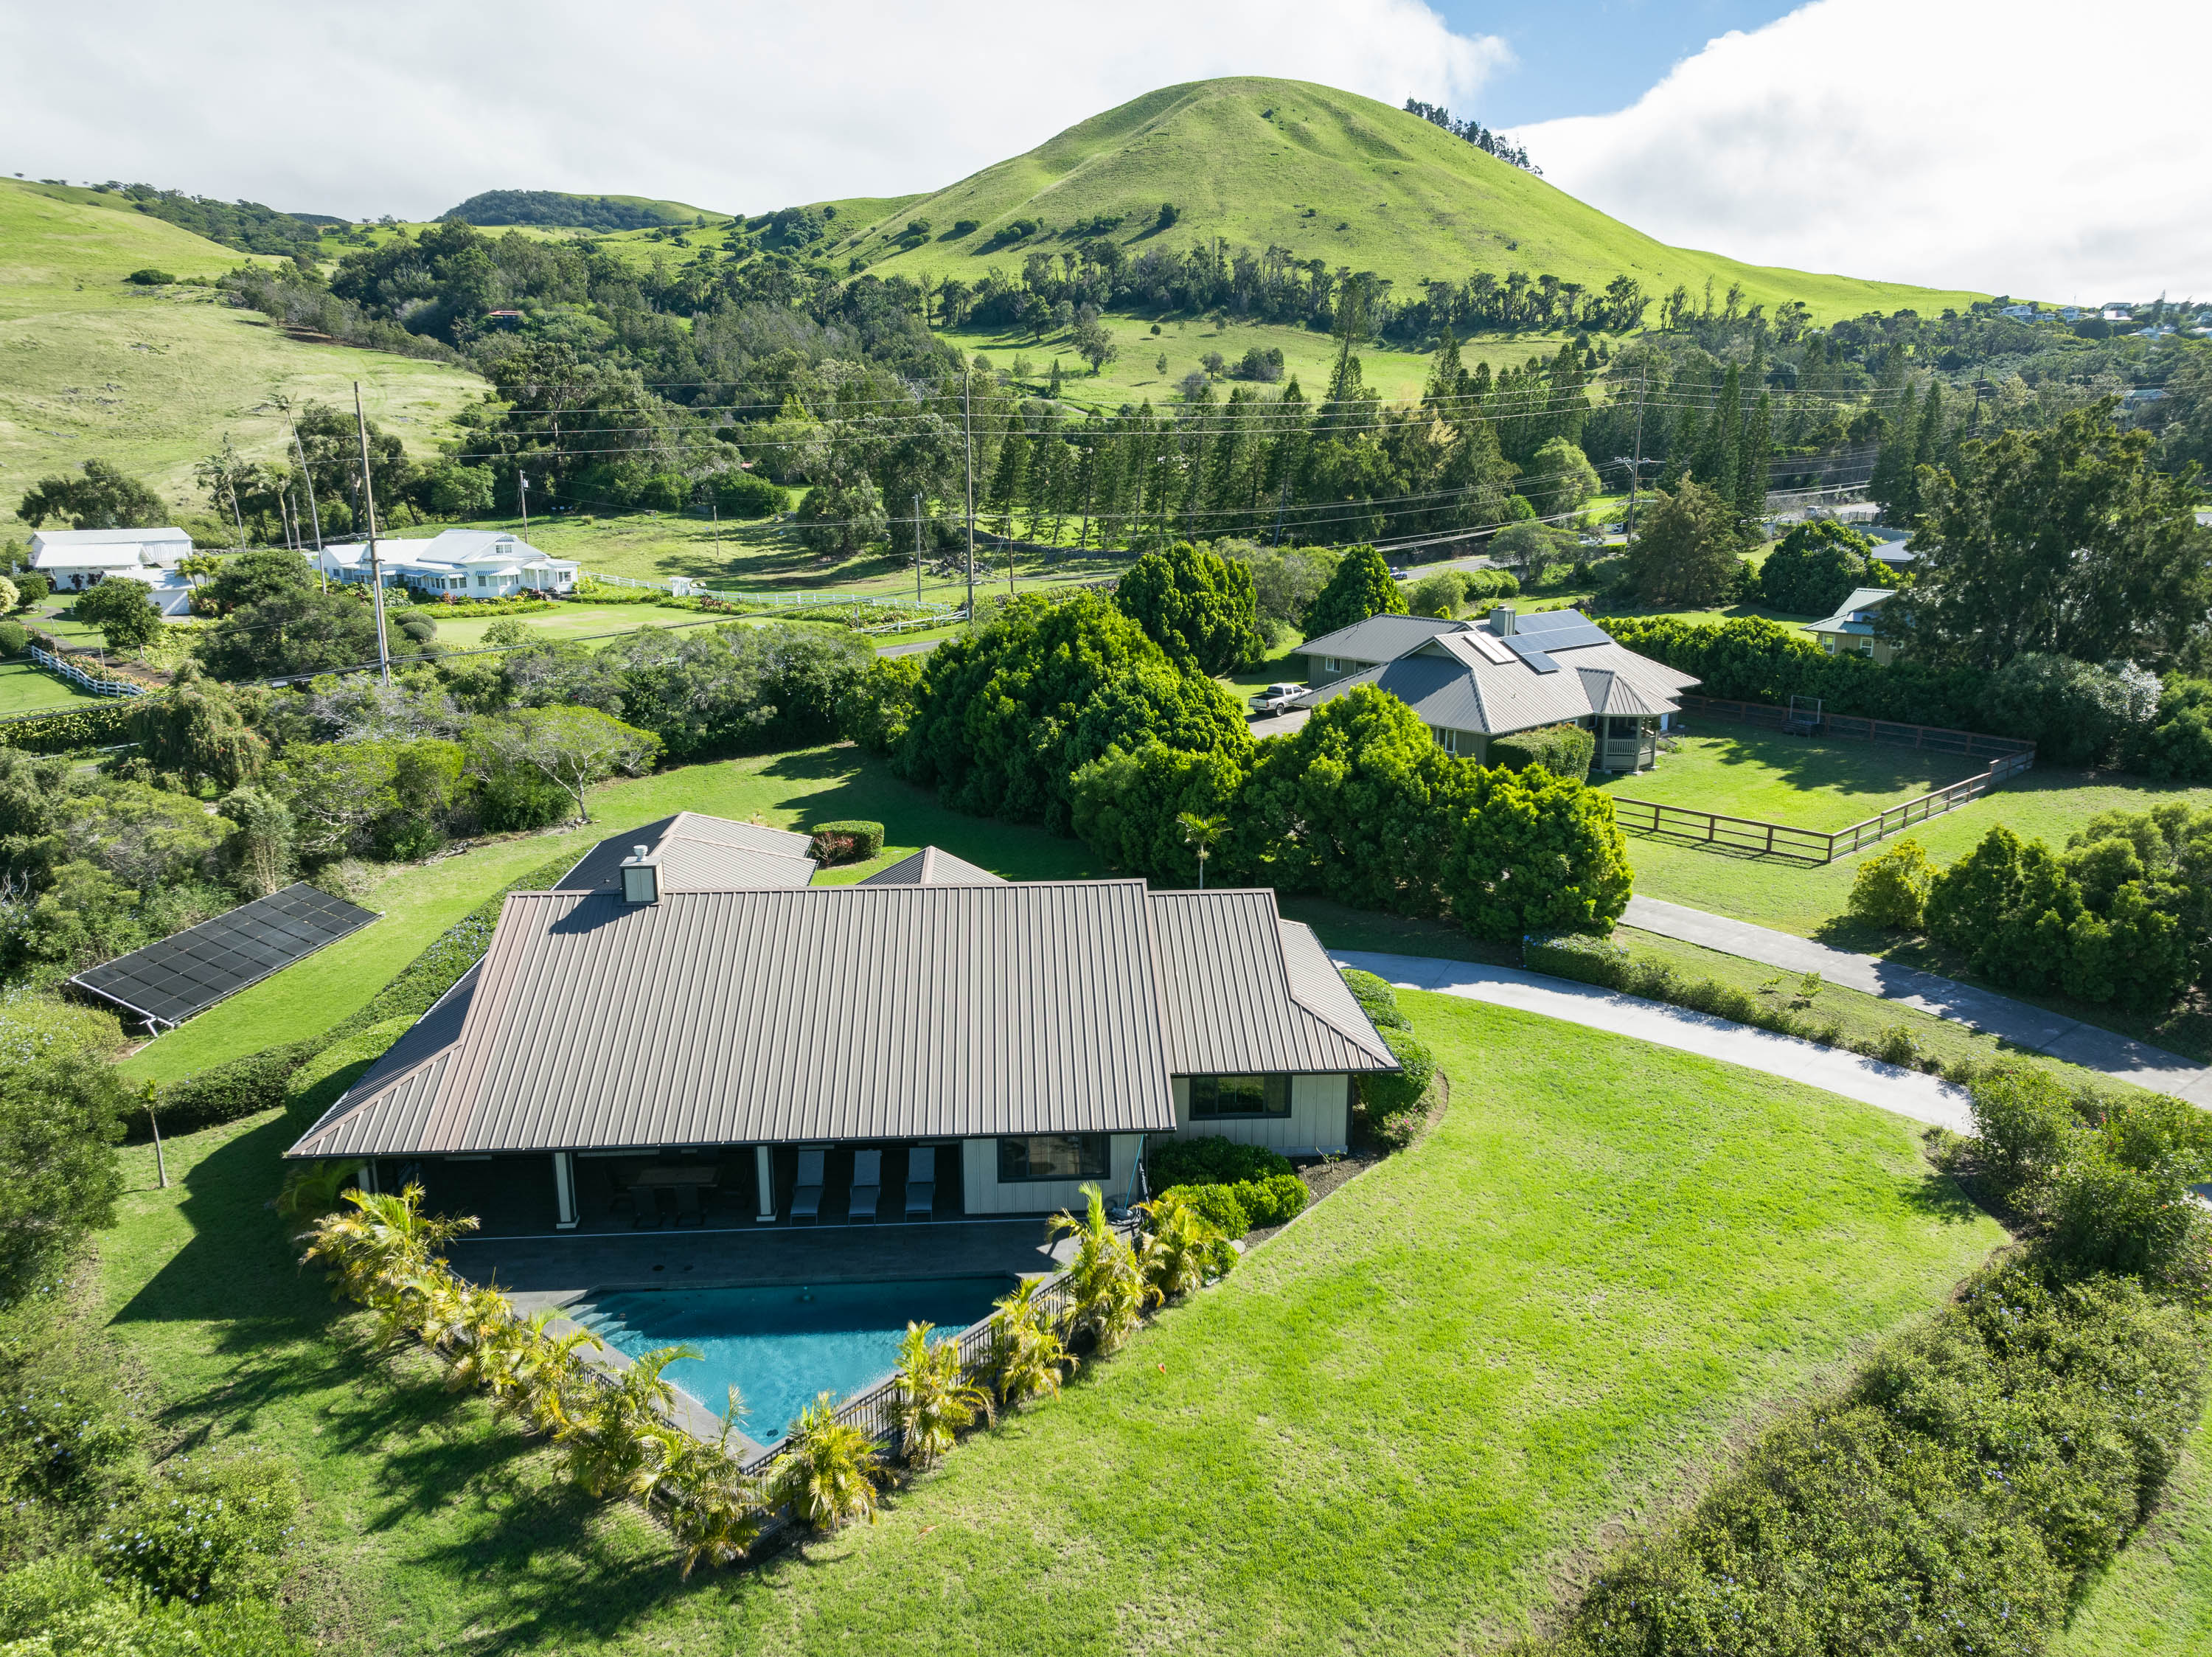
(1473, 682)
(1851, 631)
(74, 559)
(463, 564)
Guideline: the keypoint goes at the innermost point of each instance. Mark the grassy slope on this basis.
(154, 379)
(1412, 201)
(1449, 1386)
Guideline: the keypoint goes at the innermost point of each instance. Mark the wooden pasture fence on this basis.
(1812, 847)
(1890, 733)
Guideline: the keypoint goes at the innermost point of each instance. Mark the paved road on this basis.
(914, 648)
(1905, 1093)
(2016, 1021)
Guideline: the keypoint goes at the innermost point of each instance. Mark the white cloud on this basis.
(409, 106)
(2037, 150)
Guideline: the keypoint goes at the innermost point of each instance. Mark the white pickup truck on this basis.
(1275, 699)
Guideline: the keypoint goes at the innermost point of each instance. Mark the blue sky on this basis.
(1591, 57)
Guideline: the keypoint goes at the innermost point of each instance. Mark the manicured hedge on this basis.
(1750, 659)
(1376, 998)
(854, 841)
(224, 1093)
(77, 728)
(1217, 1205)
(1203, 1160)
(1562, 750)
(1388, 1093)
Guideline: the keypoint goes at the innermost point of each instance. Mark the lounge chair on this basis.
(806, 1201)
(920, 1181)
(688, 1211)
(867, 1185)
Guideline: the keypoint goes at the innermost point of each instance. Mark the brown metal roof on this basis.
(932, 866)
(822, 1013)
(1238, 1005)
(698, 853)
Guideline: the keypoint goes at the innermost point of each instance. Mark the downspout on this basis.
(1136, 1172)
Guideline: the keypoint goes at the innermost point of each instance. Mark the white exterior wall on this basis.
(1316, 1123)
(981, 1193)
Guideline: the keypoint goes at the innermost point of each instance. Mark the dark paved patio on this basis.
(557, 1271)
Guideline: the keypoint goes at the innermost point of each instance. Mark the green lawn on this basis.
(1407, 1424)
(1737, 771)
(28, 688)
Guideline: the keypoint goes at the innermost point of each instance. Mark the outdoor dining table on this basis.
(675, 1177)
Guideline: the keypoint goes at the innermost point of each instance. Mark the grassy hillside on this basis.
(152, 379)
(1330, 175)
(502, 208)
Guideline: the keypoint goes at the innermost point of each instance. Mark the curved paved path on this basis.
(2042, 1032)
(1907, 1092)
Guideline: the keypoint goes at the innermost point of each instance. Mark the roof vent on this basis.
(640, 876)
(1501, 620)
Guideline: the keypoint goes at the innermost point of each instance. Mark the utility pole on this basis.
(714, 511)
(375, 564)
(917, 549)
(307, 478)
(1636, 466)
(522, 480)
(968, 451)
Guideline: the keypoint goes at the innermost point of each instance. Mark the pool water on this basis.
(779, 1347)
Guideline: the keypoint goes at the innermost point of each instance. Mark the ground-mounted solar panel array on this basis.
(187, 973)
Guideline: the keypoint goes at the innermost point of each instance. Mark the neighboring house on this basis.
(1890, 547)
(74, 559)
(2019, 312)
(674, 1004)
(1472, 682)
(462, 563)
(1851, 628)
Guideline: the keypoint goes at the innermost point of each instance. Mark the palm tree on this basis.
(382, 1254)
(1026, 1350)
(542, 1370)
(936, 1399)
(1110, 1290)
(614, 1438)
(713, 1508)
(1200, 833)
(1179, 1251)
(467, 1326)
(829, 1470)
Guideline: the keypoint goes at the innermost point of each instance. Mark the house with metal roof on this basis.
(1852, 630)
(684, 1008)
(74, 559)
(462, 563)
(1473, 682)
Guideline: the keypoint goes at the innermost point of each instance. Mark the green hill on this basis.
(1329, 174)
(559, 208)
(153, 378)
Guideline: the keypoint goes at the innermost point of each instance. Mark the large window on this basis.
(1054, 1156)
(1213, 1097)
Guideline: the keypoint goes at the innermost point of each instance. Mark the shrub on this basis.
(2076, 713)
(1361, 586)
(1199, 607)
(1204, 1160)
(1214, 1205)
(206, 1531)
(14, 639)
(1376, 998)
(1563, 750)
(224, 1093)
(1275, 1201)
(32, 587)
(150, 278)
(2178, 745)
(877, 707)
(741, 494)
(848, 841)
(1388, 1093)
(1891, 887)
(2024, 1121)
(1815, 567)
(60, 1117)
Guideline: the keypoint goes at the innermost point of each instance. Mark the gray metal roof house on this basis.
(628, 1027)
(1472, 682)
(1852, 630)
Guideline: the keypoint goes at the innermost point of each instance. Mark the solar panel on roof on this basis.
(167, 982)
(1532, 652)
(1569, 631)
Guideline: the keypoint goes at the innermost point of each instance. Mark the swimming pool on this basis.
(780, 1346)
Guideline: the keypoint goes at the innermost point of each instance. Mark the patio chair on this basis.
(660, 1213)
(920, 1181)
(688, 1211)
(806, 1200)
(867, 1185)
